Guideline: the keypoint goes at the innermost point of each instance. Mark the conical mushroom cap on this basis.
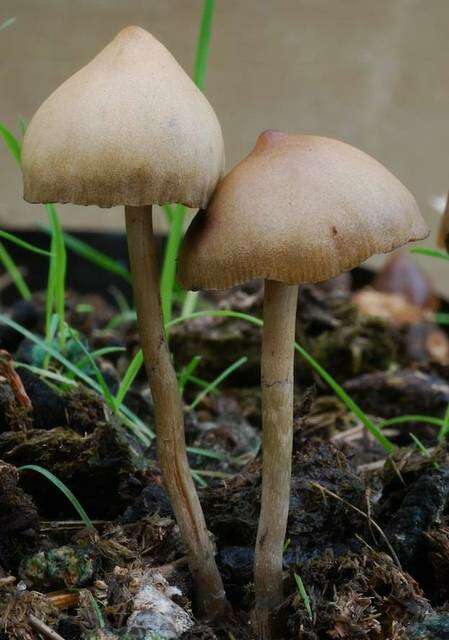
(298, 209)
(129, 128)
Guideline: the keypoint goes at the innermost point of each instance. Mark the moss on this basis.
(66, 566)
(361, 347)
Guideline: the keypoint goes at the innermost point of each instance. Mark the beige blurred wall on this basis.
(372, 72)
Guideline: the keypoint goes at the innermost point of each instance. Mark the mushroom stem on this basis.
(171, 448)
(277, 416)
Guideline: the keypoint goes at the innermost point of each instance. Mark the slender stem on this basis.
(167, 402)
(277, 416)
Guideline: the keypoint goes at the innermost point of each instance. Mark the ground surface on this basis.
(368, 536)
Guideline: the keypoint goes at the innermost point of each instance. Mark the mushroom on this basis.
(402, 276)
(443, 232)
(298, 209)
(132, 129)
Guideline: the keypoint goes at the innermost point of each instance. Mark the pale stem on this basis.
(277, 417)
(168, 412)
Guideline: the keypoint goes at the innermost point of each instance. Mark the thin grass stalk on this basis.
(178, 216)
(14, 273)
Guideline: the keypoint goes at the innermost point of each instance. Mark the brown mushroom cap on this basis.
(298, 209)
(130, 128)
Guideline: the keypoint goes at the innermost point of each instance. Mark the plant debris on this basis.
(131, 576)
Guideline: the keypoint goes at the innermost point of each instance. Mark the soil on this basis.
(368, 534)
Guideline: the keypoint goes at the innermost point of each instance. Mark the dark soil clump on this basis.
(367, 545)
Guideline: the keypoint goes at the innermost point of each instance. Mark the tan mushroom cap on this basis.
(130, 128)
(298, 209)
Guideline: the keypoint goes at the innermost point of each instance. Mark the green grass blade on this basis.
(63, 488)
(349, 402)
(97, 610)
(218, 380)
(187, 372)
(25, 245)
(198, 479)
(201, 383)
(133, 422)
(105, 391)
(199, 77)
(44, 373)
(432, 253)
(93, 255)
(130, 419)
(53, 328)
(130, 374)
(119, 299)
(169, 265)
(420, 446)
(121, 318)
(304, 595)
(84, 307)
(190, 302)
(168, 210)
(7, 23)
(99, 353)
(207, 453)
(442, 318)
(14, 273)
(50, 296)
(11, 142)
(58, 268)
(203, 44)
(58, 261)
(444, 431)
(212, 474)
(341, 393)
(178, 215)
(410, 418)
(15, 149)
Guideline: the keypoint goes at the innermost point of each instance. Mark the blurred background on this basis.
(372, 73)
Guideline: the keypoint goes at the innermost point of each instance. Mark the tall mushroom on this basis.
(298, 209)
(132, 129)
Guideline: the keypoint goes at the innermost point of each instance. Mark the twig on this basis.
(43, 628)
(358, 432)
(365, 515)
(64, 599)
(7, 371)
(7, 580)
(51, 525)
(372, 466)
(349, 434)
